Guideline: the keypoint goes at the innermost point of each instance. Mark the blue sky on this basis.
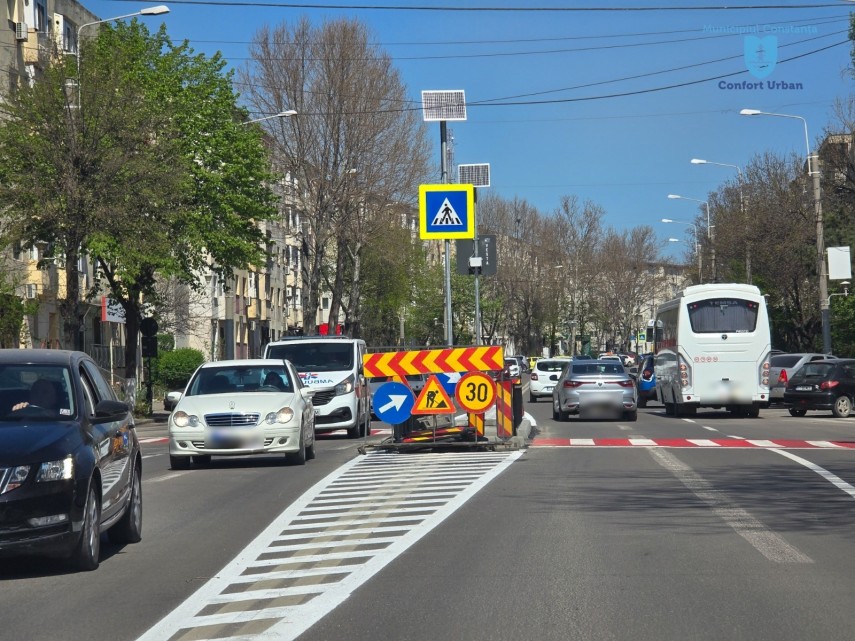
(563, 134)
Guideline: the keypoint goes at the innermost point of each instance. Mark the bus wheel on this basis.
(752, 411)
(669, 409)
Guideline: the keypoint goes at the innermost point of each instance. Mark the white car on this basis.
(544, 376)
(240, 407)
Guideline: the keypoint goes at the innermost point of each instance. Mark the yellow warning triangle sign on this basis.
(433, 399)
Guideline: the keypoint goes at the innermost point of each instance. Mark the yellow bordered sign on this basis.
(475, 392)
(433, 399)
(446, 212)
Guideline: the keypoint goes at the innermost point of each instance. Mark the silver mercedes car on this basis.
(595, 389)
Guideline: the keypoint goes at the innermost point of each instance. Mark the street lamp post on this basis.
(281, 114)
(148, 11)
(699, 161)
(697, 243)
(813, 172)
(710, 235)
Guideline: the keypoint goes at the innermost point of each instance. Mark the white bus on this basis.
(713, 350)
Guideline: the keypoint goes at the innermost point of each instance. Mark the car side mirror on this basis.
(108, 411)
(308, 394)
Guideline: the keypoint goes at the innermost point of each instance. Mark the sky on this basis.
(607, 100)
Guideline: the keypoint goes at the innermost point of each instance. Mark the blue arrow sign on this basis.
(446, 212)
(449, 381)
(393, 402)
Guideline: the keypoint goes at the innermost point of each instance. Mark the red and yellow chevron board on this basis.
(487, 358)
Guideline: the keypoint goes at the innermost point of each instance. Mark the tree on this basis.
(146, 168)
(355, 145)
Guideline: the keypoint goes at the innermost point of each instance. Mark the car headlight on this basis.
(183, 419)
(284, 415)
(17, 478)
(345, 387)
(55, 470)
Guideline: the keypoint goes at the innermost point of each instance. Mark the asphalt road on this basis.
(726, 537)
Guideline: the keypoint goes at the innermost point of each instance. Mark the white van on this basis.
(332, 367)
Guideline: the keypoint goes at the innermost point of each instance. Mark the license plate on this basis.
(804, 388)
(234, 439)
(548, 388)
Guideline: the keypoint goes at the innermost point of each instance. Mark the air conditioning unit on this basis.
(22, 32)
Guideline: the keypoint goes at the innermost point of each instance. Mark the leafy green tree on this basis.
(145, 167)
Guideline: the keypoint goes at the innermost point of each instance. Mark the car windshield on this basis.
(723, 315)
(240, 378)
(316, 357)
(814, 370)
(550, 366)
(36, 392)
(785, 360)
(598, 368)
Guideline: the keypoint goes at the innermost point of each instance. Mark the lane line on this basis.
(835, 480)
(709, 429)
(769, 544)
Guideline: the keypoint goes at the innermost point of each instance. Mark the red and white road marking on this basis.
(787, 444)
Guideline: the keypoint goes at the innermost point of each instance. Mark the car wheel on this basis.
(202, 459)
(642, 402)
(797, 412)
(532, 398)
(88, 549)
(669, 409)
(842, 407)
(630, 416)
(179, 462)
(129, 528)
(310, 451)
(752, 412)
(298, 457)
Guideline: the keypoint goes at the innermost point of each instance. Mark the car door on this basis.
(113, 441)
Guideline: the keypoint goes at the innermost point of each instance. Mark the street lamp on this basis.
(697, 251)
(281, 114)
(699, 161)
(148, 11)
(710, 236)
(813, 172)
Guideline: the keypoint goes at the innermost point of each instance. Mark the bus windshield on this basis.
(723, 315)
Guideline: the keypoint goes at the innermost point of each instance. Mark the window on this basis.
(723, 315)
(325, 302)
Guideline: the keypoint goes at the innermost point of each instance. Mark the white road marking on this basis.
(835, 480)
(761, 443)
(710, 429)
(703, 442)
(153, 455)
(166, 477)
(689, 420)
(641, 441)
(330, 541)
(825, 444)
(581, 441)
(769, 544)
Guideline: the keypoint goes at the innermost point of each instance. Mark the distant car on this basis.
(646, 381)
(595, 389)
(170, 400)
(822, 385)
(522, 361)
(240, 407)
(544, 377)
(70, 462)
(512, 367)
(782, 368)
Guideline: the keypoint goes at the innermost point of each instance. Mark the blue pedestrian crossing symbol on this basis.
(446, 212)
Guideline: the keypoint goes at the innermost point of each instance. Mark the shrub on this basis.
(175, 368)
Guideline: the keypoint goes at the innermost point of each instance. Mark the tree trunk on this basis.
(337, 286)
(70, 307)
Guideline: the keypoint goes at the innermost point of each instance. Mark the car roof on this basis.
(245, 362)
(40, 356)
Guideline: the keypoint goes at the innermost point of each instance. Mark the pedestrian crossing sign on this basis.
(446, 212)
(433, 399)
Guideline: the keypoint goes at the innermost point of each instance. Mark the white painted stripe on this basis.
(641, 441)
(689, 420)
(741, 438)
(166, 477)
(761, 443)
(769, 544)
(703, 442)
(581, 441)
(824, 444)
(709, 429)
(291, 622)
(835, 480)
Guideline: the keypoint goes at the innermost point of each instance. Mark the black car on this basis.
(70, 463)
(822, 385)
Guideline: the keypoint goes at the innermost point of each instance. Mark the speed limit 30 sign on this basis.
(475, 392)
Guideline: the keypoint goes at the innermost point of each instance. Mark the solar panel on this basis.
(443, 105)
(476, 175)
